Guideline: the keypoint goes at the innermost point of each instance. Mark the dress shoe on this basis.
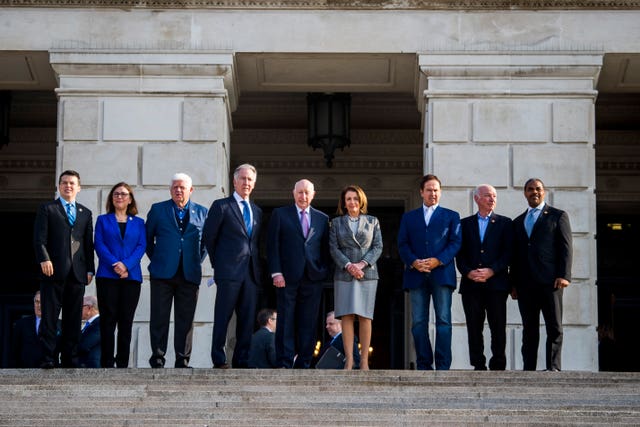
(47, 365)
(222, 366)
(183, 363)
(480, 368)
(156, 362)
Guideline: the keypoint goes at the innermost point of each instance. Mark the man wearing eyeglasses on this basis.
(63, 242)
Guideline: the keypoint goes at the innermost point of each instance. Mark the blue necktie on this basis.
(529, 221)
(247, 216)
(70, 215)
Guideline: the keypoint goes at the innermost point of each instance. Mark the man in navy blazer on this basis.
(89, 348)
(26, 351)
(63, 242)
(483, 262)
(174, 247)
(540, 271)
(428, 240)
(231, 235)
(262, 353)
(298, 257)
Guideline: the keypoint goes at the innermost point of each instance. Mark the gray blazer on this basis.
(346, 247)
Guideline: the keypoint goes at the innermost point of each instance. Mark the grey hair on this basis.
(90, 300)
(252, 168)
(476, 191)
(180, 176)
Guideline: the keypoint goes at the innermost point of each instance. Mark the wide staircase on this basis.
(206, 397)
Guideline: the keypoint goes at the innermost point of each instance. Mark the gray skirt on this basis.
(355, 297)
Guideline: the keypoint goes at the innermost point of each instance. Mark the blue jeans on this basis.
(420, 325)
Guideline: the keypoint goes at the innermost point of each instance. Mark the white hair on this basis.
(180, 176)
(252, 168)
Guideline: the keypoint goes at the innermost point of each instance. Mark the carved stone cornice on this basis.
(333, 4)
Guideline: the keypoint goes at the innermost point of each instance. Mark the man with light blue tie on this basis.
(63, 242)
(176, 252)
(428, 240)
(231, 235)
(541, 269)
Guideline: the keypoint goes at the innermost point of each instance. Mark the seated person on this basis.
(262, 351)
(89, 345)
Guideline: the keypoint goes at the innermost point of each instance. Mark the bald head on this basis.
(486, 198)
(303, 193)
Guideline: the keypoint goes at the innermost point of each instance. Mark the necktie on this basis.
(246, 215)
(304, 222)
(181, 214)
(529, 221)
(70, 215)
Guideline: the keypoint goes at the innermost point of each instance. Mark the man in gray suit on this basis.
(298, 257)
(174, 234)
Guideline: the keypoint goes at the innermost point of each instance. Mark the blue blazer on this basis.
(166, 245)
(290, 253)
(229, 245)
(111, 247)
(493, 252)
(441, 239)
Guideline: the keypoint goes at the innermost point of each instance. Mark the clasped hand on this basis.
(355, 269)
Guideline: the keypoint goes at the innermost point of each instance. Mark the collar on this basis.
(239, 199)
(430, 208)
(484, 218)
(64, 202)
(91, 319)
(540, 207)
(307, 210)
(186, 207)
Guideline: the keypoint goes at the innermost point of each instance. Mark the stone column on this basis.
(140, 117)
(500, 118)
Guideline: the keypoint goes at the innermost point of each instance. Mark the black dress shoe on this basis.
(47, 365)
(480, 368)
(156, 362)
(182, 364)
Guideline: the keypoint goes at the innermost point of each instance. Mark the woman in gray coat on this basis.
(355, 243)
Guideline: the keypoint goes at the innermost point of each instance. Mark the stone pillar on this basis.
(140, 117)
(500, 118)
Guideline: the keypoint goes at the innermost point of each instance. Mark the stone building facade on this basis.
(493, 92)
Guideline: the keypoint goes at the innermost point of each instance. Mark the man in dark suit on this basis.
(334, 329)
(63, 241)
(262, 352)
(428, 240)
(174, 247)
(89, 349)
(26, 350)
(231, 235)
(483, 262)
(298, 258)
(540, 271)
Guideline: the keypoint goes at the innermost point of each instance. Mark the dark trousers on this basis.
(532, 301)
(65, 296)
(118, 300)
(298, 307)
(163, 293)
(480, 303)
(241, 297)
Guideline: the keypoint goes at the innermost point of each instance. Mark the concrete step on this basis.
(68, 397)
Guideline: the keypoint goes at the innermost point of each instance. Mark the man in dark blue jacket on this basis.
(483, 262)
(89, 345)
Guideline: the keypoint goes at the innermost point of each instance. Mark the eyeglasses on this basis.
(123, 195)
(86, 305)
(273, 318)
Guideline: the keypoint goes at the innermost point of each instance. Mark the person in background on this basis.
(334, 329)
(483, 262)
(355, 244)
(89, 346)
(63, 242)
(26, 351)
(175, 249)
(120, 243)
(262, 352)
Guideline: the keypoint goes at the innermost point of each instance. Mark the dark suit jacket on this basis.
(493, 252)
(346, 247)
(262, 352)
(111, 247)
(547, 254)
(89, 345)
(338, 344)
(166, 245)
(65, 246)
(26, 350)
(290, 253)
(441, 240)
(228, 243)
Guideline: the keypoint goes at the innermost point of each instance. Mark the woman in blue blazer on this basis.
(120, 242)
